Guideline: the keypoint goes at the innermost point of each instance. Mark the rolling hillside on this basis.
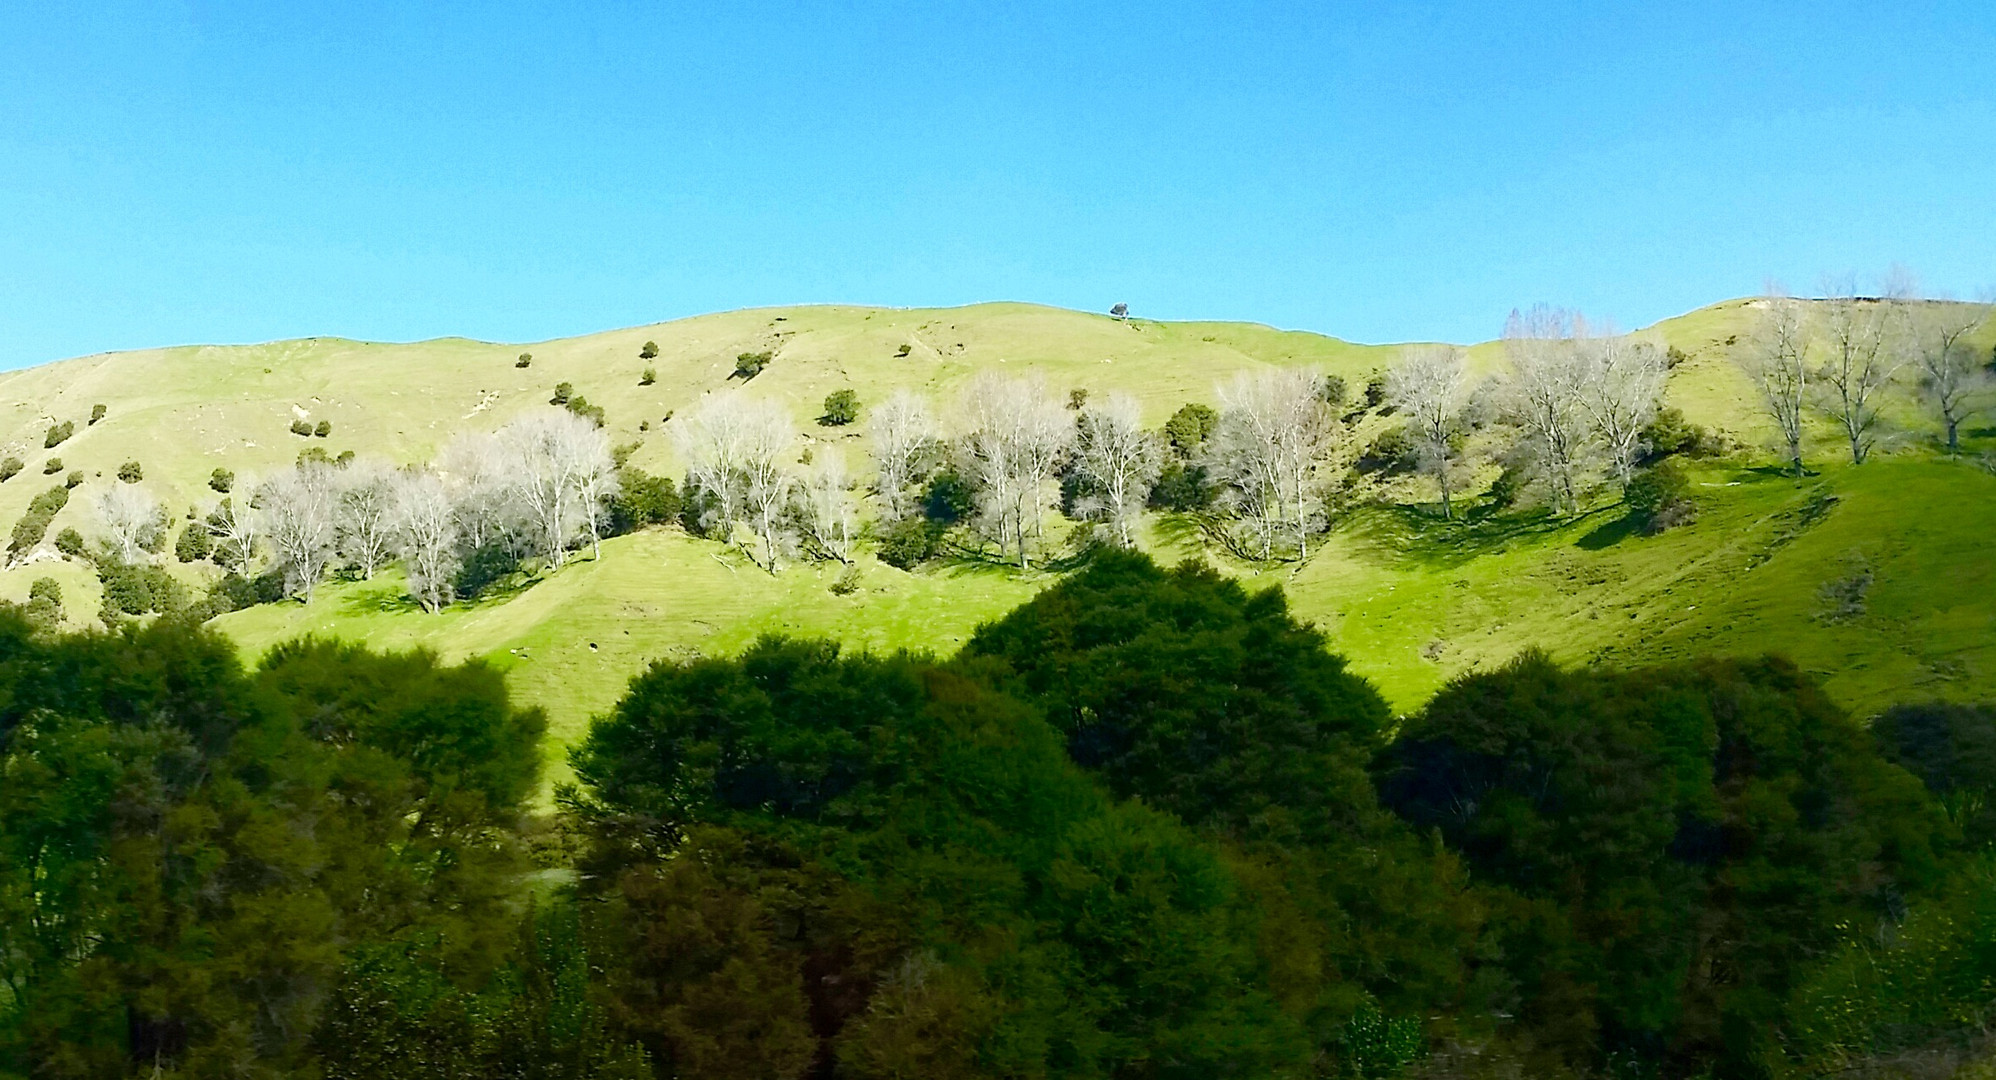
(1409, 600)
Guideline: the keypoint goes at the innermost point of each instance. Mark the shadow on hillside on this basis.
(1419, 535)
(379, 600)
(1608, 534)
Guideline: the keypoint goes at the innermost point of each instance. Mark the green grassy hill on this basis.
(1409, 600)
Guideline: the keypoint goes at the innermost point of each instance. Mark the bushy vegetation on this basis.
(841, 408)
(58, 434)
(9, 468)
(1132, 830)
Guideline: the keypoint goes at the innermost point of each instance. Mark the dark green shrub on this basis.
(1391, 451)
(1659, 498)
(74, 479)
(1507, 488)
(51, 466)
(131, 472)
(525, 359)
(649, 352)
(580, 406)
(1670, 433)
(322, 429)
(649, 377)
(195, 544)
(750, 364)
(44, 606)
(841, 408)
(1375, 390)
(70, 543)
(1189, 427)
(139, 589)
(1952, 749)
(222, 480)
(344, 459)
(9, 468)
(910, 542)
(314, 455)
(96, 414)
(483, 568)
(301, 428)
(1334, 390)
(562, 392)
(903, 351)
(34, 525)
(948, 498)
(58, 433)
(644, 500)
(1077, 399)
(1181, 487)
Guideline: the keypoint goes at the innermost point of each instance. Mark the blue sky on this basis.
(211, 172)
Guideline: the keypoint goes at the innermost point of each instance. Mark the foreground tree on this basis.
(1953, 379)
(1016, 437)
(1429, 385)
(1120, 460)
(1775, 358)
(1274, 435)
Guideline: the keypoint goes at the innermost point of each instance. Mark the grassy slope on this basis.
(1409, 601)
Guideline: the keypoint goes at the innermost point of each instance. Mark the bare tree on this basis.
(1016, 437)
(484, 491)
(1545, 394)
(298, 508)
(1775, 358)
(235, 528)
(365, 500)
(1275, 432)
(733, 449)
(829, 510)
(766, 484)
(1429, 385)
(904, 436)
(1622, 388)
(1122, 460)
(1952, 378)
(1860, 339)
(132, 519)
(559, 461)
(425, 528)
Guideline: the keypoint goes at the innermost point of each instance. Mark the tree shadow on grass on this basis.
(1418, 535)
(377, 599)
(1608, 534)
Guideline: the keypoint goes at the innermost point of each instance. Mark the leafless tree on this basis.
(132, 519)
(1429, 385)
(365, 500)
(1775, 358)
(424, 522)
(1622, 388)
(1952, 378)
(829, 510)
(235, 528)
(1121, 459)
(484, 491)
(298, 509)
(1275, 432)
(560, 462)
(733, 449)
(1545, 394)
(1016, 436)
(1861, 346)
(904, 437)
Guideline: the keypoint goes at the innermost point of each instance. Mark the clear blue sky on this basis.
(209, 172)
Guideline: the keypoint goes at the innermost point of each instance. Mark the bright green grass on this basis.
(1410, 600)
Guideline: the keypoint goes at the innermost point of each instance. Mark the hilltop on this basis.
(1410, 601)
